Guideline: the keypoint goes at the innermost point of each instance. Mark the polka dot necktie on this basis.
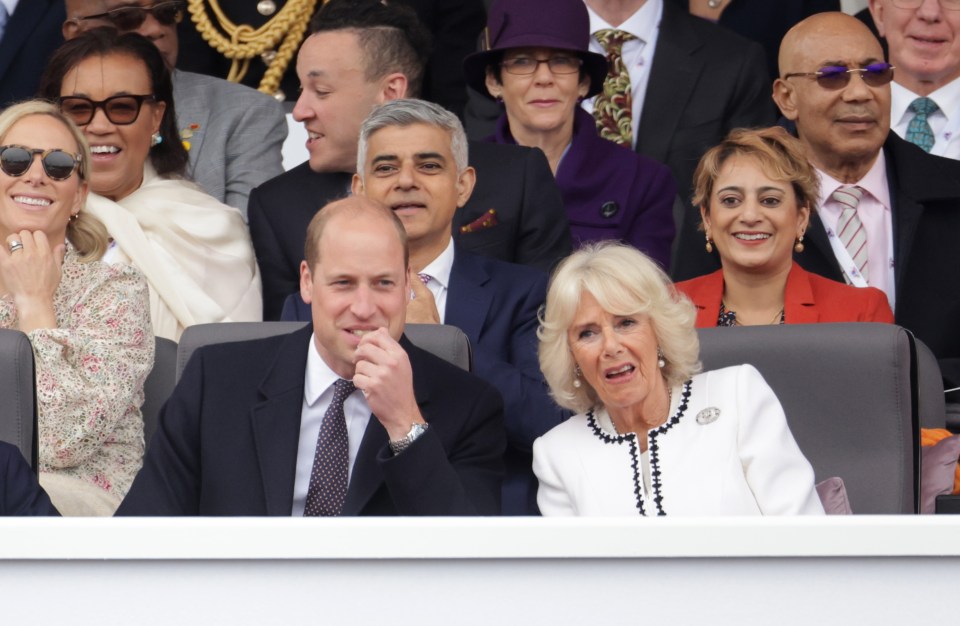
(849, 228)
(613, 108)
(328, 478)
(919, 132)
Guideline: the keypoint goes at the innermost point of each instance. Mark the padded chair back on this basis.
(931, 401)
(18, 404)
(447, 342)
(159, 385)
(847, 392)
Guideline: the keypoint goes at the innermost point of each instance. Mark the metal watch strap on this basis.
(402, 444)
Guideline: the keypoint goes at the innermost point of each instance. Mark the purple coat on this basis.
(611, 192)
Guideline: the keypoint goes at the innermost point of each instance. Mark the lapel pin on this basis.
(708, 415)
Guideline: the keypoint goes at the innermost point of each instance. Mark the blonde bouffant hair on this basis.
(624, 281)
(87, 234)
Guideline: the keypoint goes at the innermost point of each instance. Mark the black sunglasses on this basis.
(132, 17)
(835, 77)
(59, 165)
(120, 110)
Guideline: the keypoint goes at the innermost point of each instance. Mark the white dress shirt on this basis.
(9, 5)
(637, 54)
(874, 213)
(439, 272)
(317, 394)
(944, 122)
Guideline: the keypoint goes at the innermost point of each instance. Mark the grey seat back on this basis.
(932, 403)
(159, 385)
(18, 407)
(847, 392)
(447, 342)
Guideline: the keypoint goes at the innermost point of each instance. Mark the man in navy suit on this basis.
(412, 158)
(31, 34)
(362, 53)
(245, 432)
(20, 492)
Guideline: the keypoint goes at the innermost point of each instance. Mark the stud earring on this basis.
(798, 247)
(156, 139)
(576, 376)
(709, 245)
(661, 362)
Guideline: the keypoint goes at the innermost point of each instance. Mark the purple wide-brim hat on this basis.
(560, 24)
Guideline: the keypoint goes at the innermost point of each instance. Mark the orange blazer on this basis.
(808, 299)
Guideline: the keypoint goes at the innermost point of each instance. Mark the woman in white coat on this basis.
(651, 436)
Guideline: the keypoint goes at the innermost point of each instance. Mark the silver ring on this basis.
(14, 246)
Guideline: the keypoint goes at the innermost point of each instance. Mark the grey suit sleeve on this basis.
(254, 151)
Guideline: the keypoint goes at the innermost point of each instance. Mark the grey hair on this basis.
(625, 282)
(407, 112)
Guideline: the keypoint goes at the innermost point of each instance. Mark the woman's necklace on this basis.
(613, 424)
(777, 318)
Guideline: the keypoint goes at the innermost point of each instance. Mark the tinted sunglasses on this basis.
(132, 17)
(838, 76)
(59, 165)
(120, 110)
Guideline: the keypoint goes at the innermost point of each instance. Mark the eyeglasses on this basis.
(949, 5)
(835, 77)
(59, 165)
(120, 110)
(523, 66)
(132, 17)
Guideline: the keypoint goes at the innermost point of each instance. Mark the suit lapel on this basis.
(799, 306)
(188, 117)
(468, 302)
(672, 79)
(19, 27)
(275, 422)
(367, 477)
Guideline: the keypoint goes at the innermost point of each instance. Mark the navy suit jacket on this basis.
(228, 436)
(925, 198)
(32, 33)
(530, 228)
(20, 493)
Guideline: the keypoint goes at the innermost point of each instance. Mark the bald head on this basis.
(353, 208)
(842, 127)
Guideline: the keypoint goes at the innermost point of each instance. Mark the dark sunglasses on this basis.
(59, 165)
(120, 110)
(838, 76)
(132, 17)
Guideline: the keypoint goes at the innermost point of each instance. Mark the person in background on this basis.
(651, 436)
(756, 192)
(194, 250)
(29, 33)
(539, 68)
(88, 322)
(233, 134)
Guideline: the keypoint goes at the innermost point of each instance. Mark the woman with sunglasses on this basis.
(538, 66)
(195, 251)
(756, 191)
(88, 322)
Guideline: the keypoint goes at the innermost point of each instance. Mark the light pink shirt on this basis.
(874, 214)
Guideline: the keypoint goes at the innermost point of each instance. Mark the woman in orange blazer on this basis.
(756, 191)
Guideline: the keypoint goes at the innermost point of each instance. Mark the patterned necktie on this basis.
(328, 478)
(613, 108)
(919, 132)
(850, 229)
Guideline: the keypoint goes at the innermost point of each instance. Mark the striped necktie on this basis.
(849, 228)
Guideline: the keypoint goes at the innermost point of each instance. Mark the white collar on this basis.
(946, 97)
(439, 268)
(643, 24)
(318, 376)
(11, 7)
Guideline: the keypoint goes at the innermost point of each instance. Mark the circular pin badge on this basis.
(609, 208)
(708, 415)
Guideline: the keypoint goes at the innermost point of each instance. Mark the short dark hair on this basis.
(168, 157)
(391, 36)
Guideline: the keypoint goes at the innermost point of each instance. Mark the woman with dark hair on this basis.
(537, 66)
(195, 251)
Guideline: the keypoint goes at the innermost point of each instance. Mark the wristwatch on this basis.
(402, 444)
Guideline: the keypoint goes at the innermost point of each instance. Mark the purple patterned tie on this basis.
(328, 478)
(849, 228)
(613, 107)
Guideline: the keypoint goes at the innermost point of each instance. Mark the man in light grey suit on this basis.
(233, 134)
